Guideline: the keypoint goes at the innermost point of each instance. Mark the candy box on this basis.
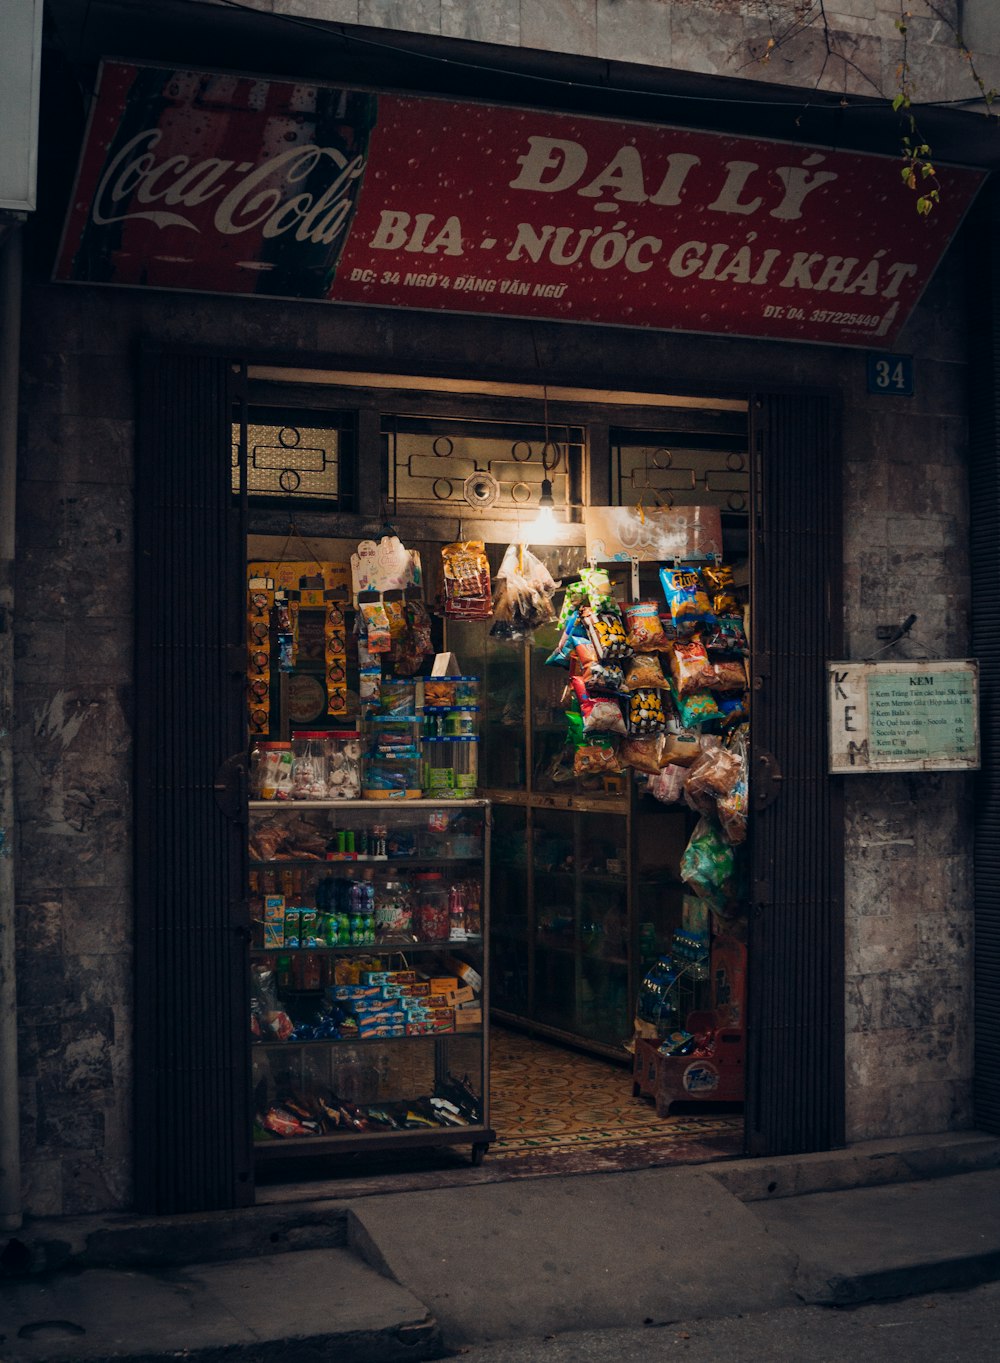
(468, 1018)
(436, 1028)
(442, 984)
(274, 920)
(437, 1000)
(381, 1030)
(362, 1008)
(440, 1014)
(456, 997)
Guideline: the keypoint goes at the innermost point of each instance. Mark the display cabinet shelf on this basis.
(311, 1092)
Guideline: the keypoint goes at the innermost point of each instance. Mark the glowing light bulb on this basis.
(546, 516)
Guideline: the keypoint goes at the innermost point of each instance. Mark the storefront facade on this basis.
(130, 876)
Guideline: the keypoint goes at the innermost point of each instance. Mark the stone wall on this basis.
(720, 37)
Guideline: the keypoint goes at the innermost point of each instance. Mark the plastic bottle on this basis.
(369, 928)
(456, 915)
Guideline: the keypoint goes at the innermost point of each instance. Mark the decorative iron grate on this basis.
(687, 470)
(442, 464)
(290, 459)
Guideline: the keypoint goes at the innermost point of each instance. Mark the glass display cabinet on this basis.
(369, 975)
(586, 891)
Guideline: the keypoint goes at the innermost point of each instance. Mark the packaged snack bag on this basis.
(597, 584)
(596, 756)
(717, 580)
(645, 713)
(708, 864)
(689, 606)
(689, 665)
(600, 716)
(645, 633)
(644, 671)
(467, 594)
(575, 597)
(595, 675)
(726, 638)
(642, 754)
(378, 637)
(725, 675)
(607, 632)
(696, 709)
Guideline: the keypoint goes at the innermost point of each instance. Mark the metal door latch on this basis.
(766, 780)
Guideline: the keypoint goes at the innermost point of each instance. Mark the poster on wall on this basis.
(239, 184)
(904, 716)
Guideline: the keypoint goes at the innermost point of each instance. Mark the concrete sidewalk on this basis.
(414, 1274)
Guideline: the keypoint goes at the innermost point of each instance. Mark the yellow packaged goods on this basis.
(645, 713)
(644, 671)
(459, 996)
(467, 1018)
(645, 630)
(643, 754)
(443, 984)
(689, 665)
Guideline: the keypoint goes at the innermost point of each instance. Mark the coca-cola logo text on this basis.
(248, 202)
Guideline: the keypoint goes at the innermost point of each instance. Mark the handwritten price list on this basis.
(921, 715)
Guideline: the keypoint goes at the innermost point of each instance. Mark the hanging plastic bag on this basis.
(668, 784)
(708, 863)
(600, 715)
(523, 599)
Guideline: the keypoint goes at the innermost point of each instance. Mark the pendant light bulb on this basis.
(546, 517)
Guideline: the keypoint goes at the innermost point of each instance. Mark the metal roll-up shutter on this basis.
(192, 1119)
(795, 1080)
(984, 496)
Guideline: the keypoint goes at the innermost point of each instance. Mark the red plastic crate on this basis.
(718, 1078)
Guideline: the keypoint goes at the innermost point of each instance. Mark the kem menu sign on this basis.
(904, 716)
(237, 184)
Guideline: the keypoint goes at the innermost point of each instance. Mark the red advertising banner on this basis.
(234, 184)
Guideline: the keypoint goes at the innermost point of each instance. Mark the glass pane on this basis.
(500, 663)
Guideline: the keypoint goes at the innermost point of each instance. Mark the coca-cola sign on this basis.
(235, 184)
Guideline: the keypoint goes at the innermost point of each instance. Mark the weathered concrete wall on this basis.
(909, 857)
(721, 37)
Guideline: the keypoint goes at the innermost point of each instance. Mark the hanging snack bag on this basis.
(689, 606)
(645, 713)
(467, 594)
(732, 807)
(596, 756)
(370, 685)
(680, 745)
(575, 597)
(378, 637)
(695, 709)
(595, 675)
(717, 580)
(574, 631)
(645, 632)
(600, 716)
(708, 863)
(668, 784)
(607, 631)
(734, 709)
(415, 643)
(597, 585)
(725, 675)
(726, 638)
(644, 671)
(523, 600)
(689, 666)
(642, 754)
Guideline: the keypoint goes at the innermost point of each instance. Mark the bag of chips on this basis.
(734, 709)
(713, 775)
(643, 754)
(645, 713)
(689, 665)
(725, 675)
(600, 716)
(643, 671)
(717, 580)
(726, 638)
(574, 631)
(597, 584)
(575, 597)
(596, 756)
(689, 606)
(696, 709)
(680, 746)
(607, 631)
(466, 568)
(595, 675)
(645, 632)
(378, 637)
(416, 642)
